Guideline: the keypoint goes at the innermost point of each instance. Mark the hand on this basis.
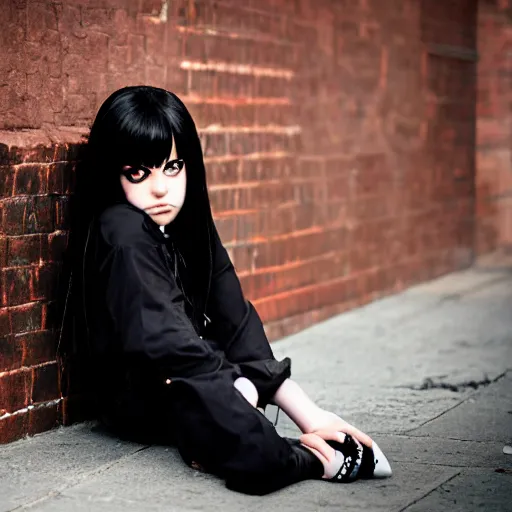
(325, 453)
(336, 424)
(320, 448)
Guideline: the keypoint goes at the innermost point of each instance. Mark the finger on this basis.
(320, 456)
(331, 435)
(347, 429)
(360, 436)
(316, 442)
(320, 447)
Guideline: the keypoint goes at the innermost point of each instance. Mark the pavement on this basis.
(427, 373)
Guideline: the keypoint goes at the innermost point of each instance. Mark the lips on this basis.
(158, 209)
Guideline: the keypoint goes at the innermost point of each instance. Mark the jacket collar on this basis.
(149, 225)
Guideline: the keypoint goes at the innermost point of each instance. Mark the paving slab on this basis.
(36, 467)
(470, 490)
(378, 409)
(445, 452)
(485, 417)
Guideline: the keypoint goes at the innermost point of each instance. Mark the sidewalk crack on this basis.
(465, 399)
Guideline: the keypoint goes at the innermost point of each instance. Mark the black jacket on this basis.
(144, 333)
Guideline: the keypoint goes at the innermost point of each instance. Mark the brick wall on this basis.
(338, 138)
(494, 128)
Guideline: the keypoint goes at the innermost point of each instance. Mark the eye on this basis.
(135, 175)
(173, 167)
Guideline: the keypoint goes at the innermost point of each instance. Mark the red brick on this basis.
(15, 390)
(44, 417)
(223, 173)
(226, 228)
(30, 179)
(13, 427)
(27, 215)
(16, 285)
(38, 154)
(23, 250)
(11, 353)
(6, 181)
(57, 244)
(61, 212)
(39, 20)
(38, 347)
(5, 322)
(44, 283)
(288, 304)
(118, 58)
(60, 177)
(52, 314)
(287, 278)
(26, 318)
(3, 249)
(214, 144)
(222, 200)
(177, 80)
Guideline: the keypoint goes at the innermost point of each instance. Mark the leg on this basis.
(219, 429)
(327, 455)
(309, 417)
(321, 427)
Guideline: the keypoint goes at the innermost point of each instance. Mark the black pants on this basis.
(213, 425)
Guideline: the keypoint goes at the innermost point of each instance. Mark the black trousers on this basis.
(213, 425)
(227, 436)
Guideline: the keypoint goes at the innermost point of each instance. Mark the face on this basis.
(159, 191)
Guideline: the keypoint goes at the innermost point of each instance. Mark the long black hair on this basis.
(136, 126)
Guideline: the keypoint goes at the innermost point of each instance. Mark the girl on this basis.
(179, 354)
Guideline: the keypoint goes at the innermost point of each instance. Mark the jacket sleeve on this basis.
(238, 329)
(147, 310)
(235, 322)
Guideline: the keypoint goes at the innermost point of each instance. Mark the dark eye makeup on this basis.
(140, 173)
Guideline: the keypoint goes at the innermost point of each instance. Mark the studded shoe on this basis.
(358, 461)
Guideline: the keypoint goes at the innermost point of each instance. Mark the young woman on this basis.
(179, 354)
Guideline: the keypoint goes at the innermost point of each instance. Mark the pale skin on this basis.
(161, 194)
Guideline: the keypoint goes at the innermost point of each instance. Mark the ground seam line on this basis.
(429, 492)
(76, 481)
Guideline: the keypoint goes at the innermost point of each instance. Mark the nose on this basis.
(159, 185)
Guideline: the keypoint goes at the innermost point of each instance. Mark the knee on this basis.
(248, 390)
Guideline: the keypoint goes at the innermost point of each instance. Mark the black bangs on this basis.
(140, 132)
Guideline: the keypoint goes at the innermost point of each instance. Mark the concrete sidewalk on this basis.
(428, 373)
